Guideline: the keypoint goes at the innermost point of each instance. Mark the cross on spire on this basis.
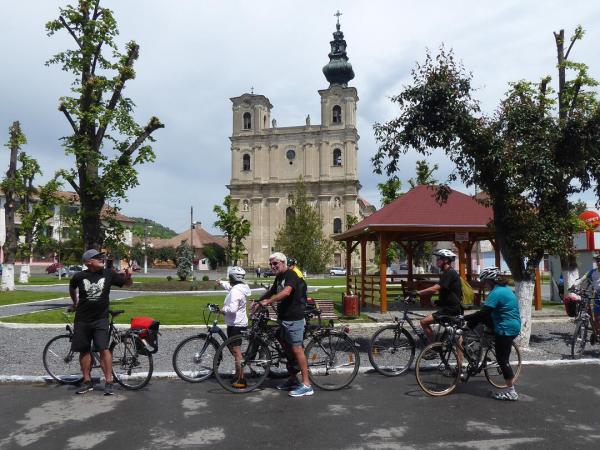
(338, 14)
(252, 90)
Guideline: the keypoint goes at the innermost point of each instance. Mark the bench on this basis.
(326, 307)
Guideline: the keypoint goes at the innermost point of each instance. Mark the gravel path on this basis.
(21, 352)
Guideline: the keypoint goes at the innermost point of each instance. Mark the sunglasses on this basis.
(275, 263)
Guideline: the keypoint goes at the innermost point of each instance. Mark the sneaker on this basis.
(86, 387)
(239, 384)
(108, 389)
(302, 391)
(289, 385)
(506, 395)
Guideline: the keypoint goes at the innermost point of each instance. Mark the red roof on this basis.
(418, 208)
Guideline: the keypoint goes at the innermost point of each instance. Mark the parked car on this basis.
(52, 268)
(268, 273)
(68, 271)
(403, 266)
(337, 271)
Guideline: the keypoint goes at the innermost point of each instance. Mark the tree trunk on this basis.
(8, 277)
(524, 292)
(11, 242)
(24, 273)
(569, 269)
(91, 222)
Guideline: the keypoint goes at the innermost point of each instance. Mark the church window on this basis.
(246, 162)
(337, 157)
(337, 225)
(247, 121)
(290, 214)
(290, 155)
(337, 114)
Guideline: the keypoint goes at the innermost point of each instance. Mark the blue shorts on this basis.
(292, 331)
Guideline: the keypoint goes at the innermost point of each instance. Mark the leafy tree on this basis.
(215, 255)
(519, 156)
(10, 187)
(99, 114)
(166, 254)
(302, 235)
(184, 260)
(147, 227)
(424, 174)
(389, 191)
(235, 227)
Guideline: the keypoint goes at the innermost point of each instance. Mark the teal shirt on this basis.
(505, 311)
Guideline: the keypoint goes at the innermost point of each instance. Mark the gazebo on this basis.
(413, 218)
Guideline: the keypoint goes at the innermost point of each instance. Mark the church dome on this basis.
(338, 70)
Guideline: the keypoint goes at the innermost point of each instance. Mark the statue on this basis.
(245, 206)
(337, 203)
(308, 120)
(274, 123)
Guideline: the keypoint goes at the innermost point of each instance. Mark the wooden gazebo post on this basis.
(363, 269)
(348, 266)
(383, 247)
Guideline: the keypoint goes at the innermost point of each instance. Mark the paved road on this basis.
(558, 410)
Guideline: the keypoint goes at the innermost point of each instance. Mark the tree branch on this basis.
(63, 108)
(152, 126)
(70, 30)
(71, 181)
(577, 87)
(124, 75)
(96, 56)
(569, 49)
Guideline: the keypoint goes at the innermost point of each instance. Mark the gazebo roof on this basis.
(417, 215)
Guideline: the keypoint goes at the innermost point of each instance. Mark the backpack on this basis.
(467, 293)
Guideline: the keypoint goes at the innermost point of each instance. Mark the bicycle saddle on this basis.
(116, 312)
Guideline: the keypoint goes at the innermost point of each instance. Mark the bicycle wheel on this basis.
(60, 362)
(333, 360)
(437, 369)
(391, 351)
(253, 365)
(132, 366)
(193, 358)
(580, 338)
(492, 368)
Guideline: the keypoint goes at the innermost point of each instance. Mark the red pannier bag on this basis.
(148, 328)
(570, 301)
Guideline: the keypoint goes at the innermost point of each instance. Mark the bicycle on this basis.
(332, 356)
(132, 360)
(193, 357)
(584, 325)
(439, 367)
(392, 347)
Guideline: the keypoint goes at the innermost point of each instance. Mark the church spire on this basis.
(338, 71)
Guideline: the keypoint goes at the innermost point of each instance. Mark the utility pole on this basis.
(145, 246)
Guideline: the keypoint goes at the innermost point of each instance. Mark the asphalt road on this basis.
(558, 410)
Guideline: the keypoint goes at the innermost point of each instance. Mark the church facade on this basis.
(267, 161)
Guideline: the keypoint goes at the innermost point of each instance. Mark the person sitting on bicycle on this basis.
(236, 319)
(591, 282)
(289, 292)
(501, 310)
(89, 291)
(449, 289)
(293, 265)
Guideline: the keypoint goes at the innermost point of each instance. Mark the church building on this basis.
(267, 161)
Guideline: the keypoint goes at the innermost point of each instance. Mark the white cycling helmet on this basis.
(236, 274)
(490, 273)
(445, 253)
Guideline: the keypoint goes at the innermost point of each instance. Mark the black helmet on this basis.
(292, 261)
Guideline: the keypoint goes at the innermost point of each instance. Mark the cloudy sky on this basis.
(196, 54)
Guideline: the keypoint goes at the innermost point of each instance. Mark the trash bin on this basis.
(350, 305)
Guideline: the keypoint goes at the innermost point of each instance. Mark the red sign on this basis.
(591, 218)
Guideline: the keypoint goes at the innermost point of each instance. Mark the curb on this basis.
(24, 379)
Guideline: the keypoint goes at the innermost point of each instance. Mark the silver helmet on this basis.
(445, 253)
(490, 273)
(236, 274)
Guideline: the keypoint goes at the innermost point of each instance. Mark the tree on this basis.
(389, 191)
(10, 189)
(424, 174)
(235, 227)
(515, 156)
(215, 255)
(184, 260)
(149, 228)
(166, 254)
(302, 235)
(99, 114)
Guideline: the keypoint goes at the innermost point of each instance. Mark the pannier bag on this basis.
(148, 333)
(311, 307)
(570, 302)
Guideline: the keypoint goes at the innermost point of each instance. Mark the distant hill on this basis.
(155, 229)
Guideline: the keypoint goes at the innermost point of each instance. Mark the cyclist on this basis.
(89, 291)
(293, 265)
(449, 289)
(502, 307)
(236, 319)
(591, 281)
(289, 292)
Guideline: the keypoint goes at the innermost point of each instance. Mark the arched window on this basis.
(337, 114)
(337, 225)
(337, 157)
(246, 162)
(247, 121)
(290, 214)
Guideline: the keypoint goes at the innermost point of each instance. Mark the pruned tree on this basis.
(235, 227)
(10, 187)
(302, 234)
(519, 156)
(99, 114)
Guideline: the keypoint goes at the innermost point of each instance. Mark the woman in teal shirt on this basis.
(501, 308)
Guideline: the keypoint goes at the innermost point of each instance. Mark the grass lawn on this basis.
(11, 298)
(42, 279)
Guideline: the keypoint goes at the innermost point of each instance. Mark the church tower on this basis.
(267, 160)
